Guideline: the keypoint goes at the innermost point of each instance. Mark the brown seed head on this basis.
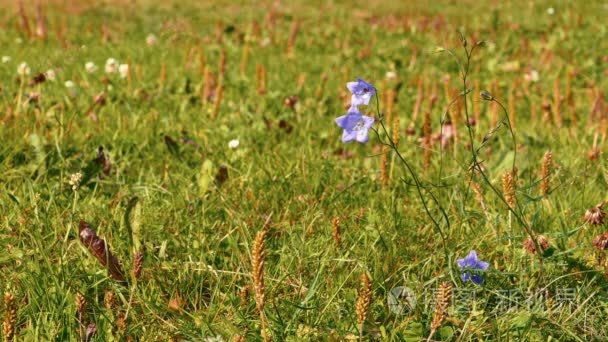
(542, 241)
(601, 241)
(257, 266)
(81, 308)
(594, 153)
(257, 271)
(91, 330)
(384, 176)
(595, 215)
(396, 130)
(121, 322)
(545, 173)
(442, 300)
(244, 294)
(411, 130)
(138, 264)
(40, 78)
(10, 317)
(108, 299)
(290, 101)
(99, 249)
(508, 189)
(100, 99)
(335, 227)
(364, 300)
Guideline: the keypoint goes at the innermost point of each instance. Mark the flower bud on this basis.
(485, 95)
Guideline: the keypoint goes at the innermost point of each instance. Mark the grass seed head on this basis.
(384, 177)
(257, 270)
(396, 130)
(10, 317)
(508, 188)
(138, 263)
(109, 300)
(546, 171)
(335, 227)
(121, 322)
(364, 301)
(442, 301)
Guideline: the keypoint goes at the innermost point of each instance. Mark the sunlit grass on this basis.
(171, 185)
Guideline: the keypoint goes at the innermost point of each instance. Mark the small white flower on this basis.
(70, 84)
(390, 75)
(6, 59)
(233, 144)
(23, 69)
(151, 39)
(90, 67)
(75, 180)
(532, 76)
(265, 42)
(550, 11)
(111, 66)
(50, 75)
(123, 69)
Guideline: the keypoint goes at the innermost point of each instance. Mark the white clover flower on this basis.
(50, 75)
(532, 76)
(75, 180)
(123, 69)
(550, 11)
(6, 59)
(390, 75)
(265, 42)
(233, 144)
(111, 66)
(151, 39)
(70, 84)
(23, 69)
(90, 67)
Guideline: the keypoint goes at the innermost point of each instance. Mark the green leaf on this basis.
(446, 333)
(133, 222)
(205, 177)
(38, 145)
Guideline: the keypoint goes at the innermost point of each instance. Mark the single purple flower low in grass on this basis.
(362, 92)
(355, 125)
(471, 268)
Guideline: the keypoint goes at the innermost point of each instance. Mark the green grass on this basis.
(163, 194)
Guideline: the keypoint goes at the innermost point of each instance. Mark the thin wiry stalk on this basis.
(419, 186)
(474, 152)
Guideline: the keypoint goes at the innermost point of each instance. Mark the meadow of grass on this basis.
(198, 188)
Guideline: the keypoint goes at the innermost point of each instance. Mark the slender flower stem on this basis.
(464, 70)
(417, 182)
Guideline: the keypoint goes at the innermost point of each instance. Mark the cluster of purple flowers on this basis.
(355, 124)
(471, 268)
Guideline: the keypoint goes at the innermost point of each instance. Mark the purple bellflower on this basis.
(362, 92)
(355, 125)
(471, 268)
